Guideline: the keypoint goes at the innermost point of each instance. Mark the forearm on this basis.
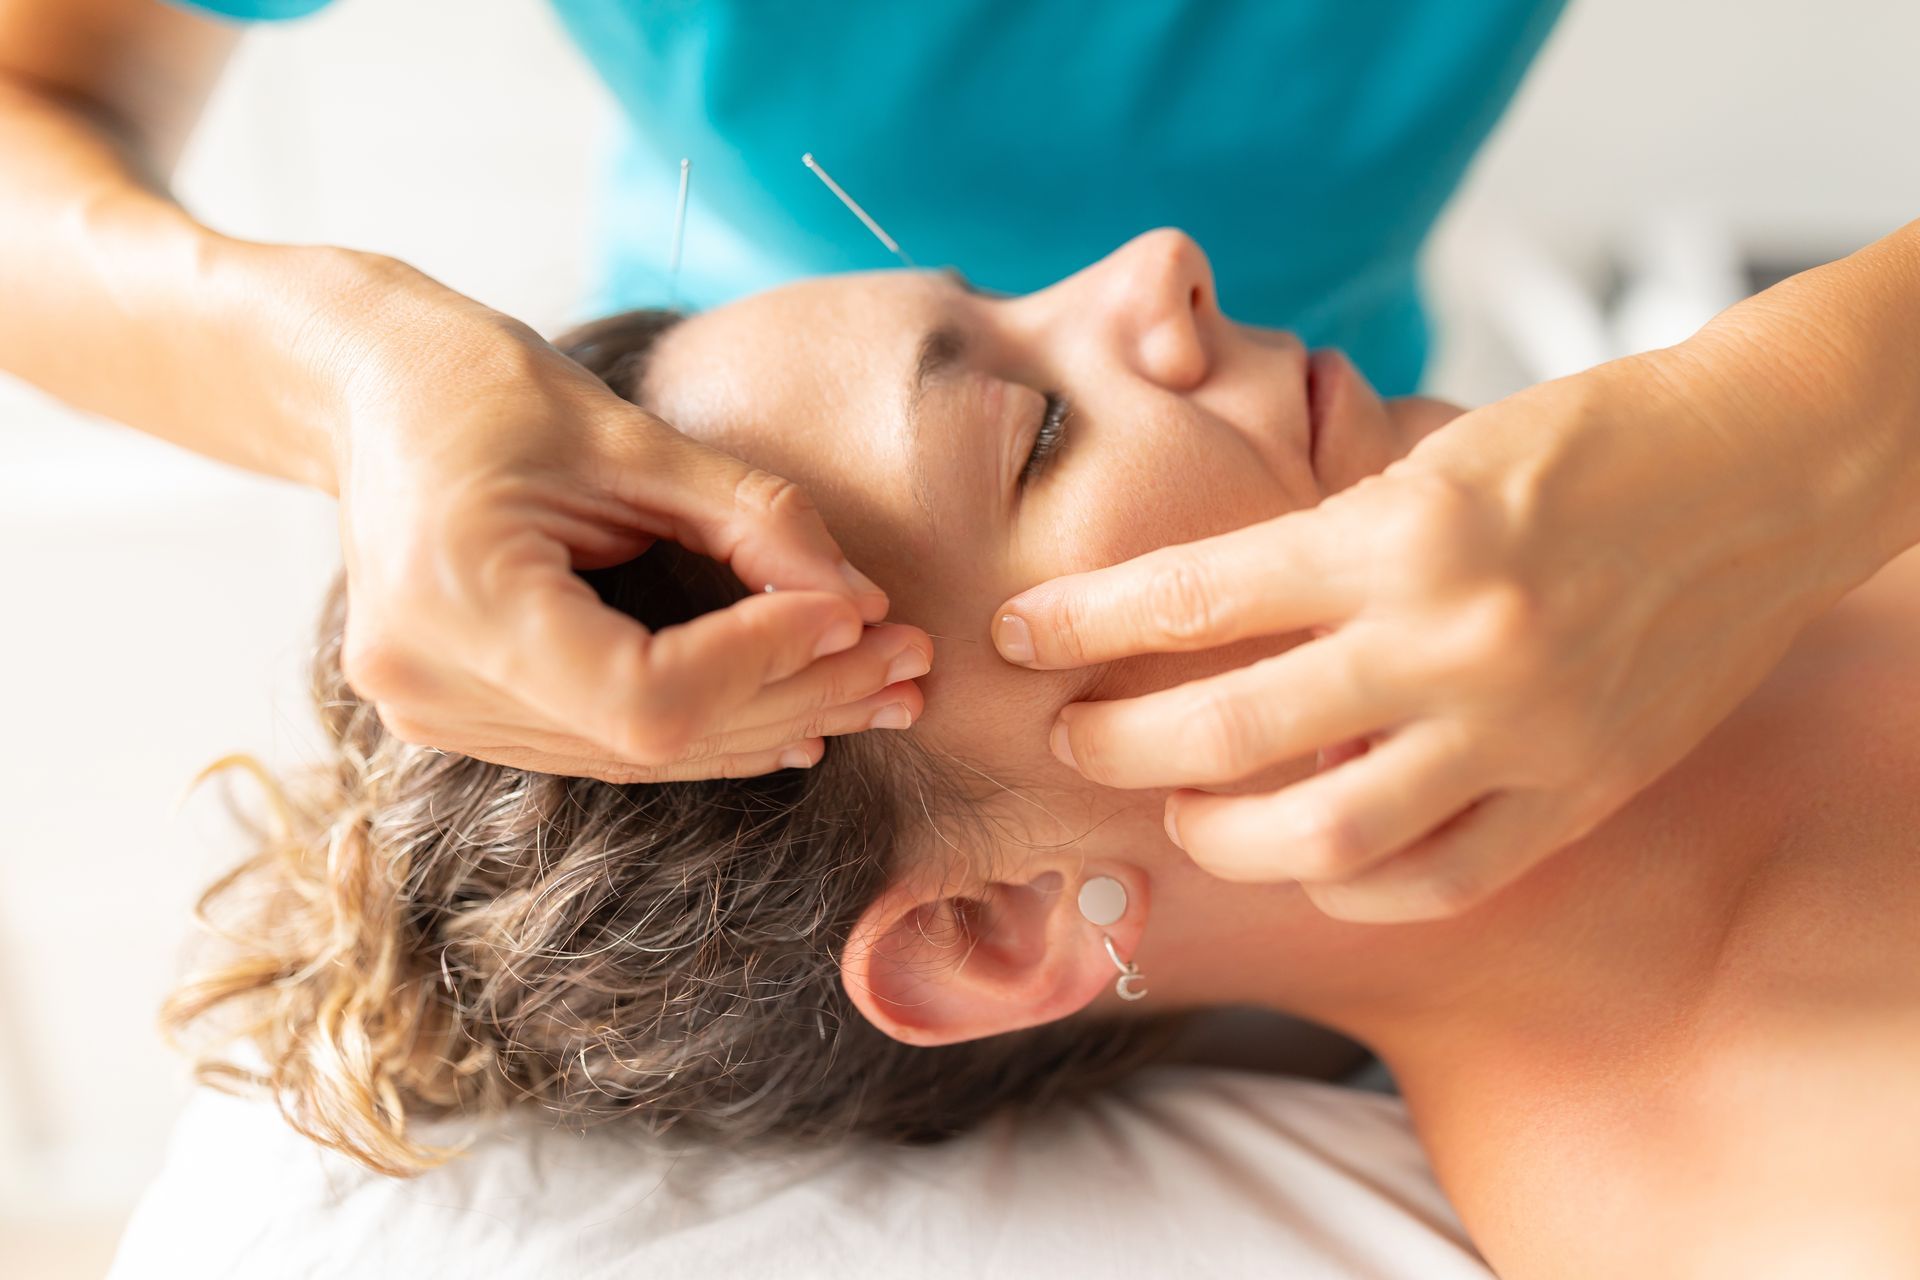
(1822, 374)
(119, 303)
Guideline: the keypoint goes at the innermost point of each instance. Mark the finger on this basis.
(703, 671)
(1454, 870)
(592, 670)
(1335, 824)
(885, 655)
(1275, 576)
(764, 527)
(1226, 727)
(795, 755)
(893, 707)
(578, 759)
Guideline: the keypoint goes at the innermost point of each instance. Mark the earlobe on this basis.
(929, 965)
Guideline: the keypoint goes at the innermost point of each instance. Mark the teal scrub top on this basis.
(1307, 145)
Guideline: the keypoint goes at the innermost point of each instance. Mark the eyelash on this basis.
(1046, 441)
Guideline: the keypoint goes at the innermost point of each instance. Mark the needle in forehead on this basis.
(853, 207)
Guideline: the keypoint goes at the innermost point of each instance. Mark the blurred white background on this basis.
(1661, 154)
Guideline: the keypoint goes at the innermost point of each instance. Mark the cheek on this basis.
(1154, 489)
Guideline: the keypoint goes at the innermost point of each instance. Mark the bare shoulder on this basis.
(1769, 1152)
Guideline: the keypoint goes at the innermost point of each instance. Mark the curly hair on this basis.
(425, 935)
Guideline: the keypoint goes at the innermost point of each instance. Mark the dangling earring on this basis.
(1103, 900)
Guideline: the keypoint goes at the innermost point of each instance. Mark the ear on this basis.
(928, 965)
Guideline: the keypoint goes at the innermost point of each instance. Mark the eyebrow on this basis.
(940, 353)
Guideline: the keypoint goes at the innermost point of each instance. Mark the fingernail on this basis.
(1173, 830)
(892, 716)
(908, 664)
(795, 758)
(1058, 743)
(838, 638)
(1011, 637)
(860, 582)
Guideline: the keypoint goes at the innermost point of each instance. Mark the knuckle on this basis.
(841, 684)
(1219, 736)
(1091, 758)
(1449, 891)
(1510, 624)
(371, 664)
(657, 736)
(1432, 531)
(1326, 847)
(1432, 505)
(743, 767)
(828, 723)
(695, 752)
(1179, 601)
(1068, 629)
(761, 496)
(641, 724)
(645, 728)
(629, 775)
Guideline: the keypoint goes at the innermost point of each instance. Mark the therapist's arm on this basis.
(1825, 366)
(475, 464)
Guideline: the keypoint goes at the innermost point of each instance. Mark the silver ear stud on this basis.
(1103, 900)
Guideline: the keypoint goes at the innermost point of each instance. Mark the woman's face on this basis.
(910, 408)
(963, 447)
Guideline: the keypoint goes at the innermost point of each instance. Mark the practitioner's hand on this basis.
(478, 467)
(1511, 630)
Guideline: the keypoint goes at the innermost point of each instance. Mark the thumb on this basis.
(762, 526)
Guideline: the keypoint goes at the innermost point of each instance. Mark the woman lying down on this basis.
(1682, 1046)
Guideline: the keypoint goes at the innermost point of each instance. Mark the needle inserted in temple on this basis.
(853, 207)
(679, 235)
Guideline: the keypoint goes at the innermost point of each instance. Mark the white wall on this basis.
(154, 608)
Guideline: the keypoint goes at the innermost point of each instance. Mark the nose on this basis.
(1156, 296)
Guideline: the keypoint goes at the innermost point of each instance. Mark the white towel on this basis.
(1187, 1172)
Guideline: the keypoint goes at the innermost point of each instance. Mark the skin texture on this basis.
(475, 465)
(1641, 1012)
(1534, 614)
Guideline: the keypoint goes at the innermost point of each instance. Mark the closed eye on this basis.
(1047, 440)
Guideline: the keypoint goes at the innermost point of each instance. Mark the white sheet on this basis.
(1184, 1172)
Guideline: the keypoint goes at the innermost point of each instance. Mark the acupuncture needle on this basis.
(893, 247)
(679, 235)
(853, 207)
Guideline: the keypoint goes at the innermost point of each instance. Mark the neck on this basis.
(1611, 936)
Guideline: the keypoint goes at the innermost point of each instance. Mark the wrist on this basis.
(1787, 393)
(1826, 359)
(321, 325)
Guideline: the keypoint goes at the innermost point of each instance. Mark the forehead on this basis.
(798, 354)
(810, 381)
